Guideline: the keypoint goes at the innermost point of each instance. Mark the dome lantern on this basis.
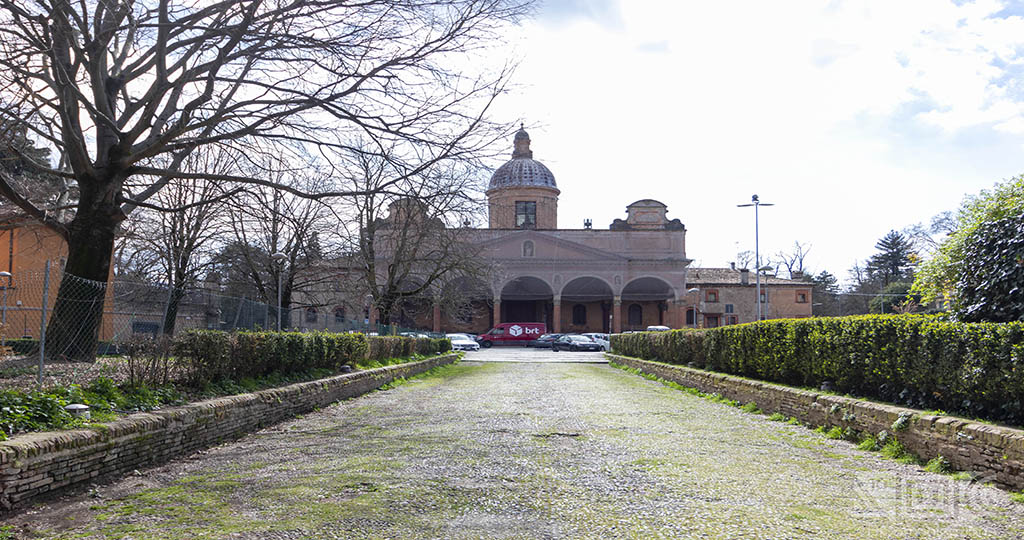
(521, 147)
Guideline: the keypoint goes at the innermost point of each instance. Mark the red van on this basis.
(513, 333)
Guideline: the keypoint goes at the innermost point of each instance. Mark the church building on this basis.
(629, 276)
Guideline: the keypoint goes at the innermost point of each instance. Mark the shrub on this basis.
(209, 355)
(975, 369)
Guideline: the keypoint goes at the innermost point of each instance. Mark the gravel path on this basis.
(533, 450)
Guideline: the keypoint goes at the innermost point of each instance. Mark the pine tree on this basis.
(892, 262)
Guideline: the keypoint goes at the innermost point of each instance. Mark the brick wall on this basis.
(35, 464)
(994, 453)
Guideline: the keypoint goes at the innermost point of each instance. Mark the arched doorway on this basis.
(527, 299)
(648, 300)
(586, 305)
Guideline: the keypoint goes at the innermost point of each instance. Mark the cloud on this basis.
(856, 117)
(561, 12)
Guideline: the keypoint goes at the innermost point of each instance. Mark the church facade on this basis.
(629, 276)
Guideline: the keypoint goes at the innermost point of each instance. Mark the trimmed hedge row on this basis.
(925, 362)
(211, 355)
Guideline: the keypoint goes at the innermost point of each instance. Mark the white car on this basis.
(462, 342)
(602, 339)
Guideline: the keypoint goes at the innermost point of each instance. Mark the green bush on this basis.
(928, 362)
(210, 355)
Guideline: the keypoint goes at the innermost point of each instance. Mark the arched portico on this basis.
(525, 299)
(588, 305)
(644, 301)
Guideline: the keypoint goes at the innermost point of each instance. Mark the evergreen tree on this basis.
(892, 262)
(826, 295)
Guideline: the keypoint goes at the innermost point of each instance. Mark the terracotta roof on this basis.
(728, 276)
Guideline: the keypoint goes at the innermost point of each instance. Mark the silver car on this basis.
(462, 342)
(602, 339)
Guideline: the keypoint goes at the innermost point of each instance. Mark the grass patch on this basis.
(939, 465)
(869, 444)
(1017, 497)
(835, 432)
(778, 417)
(895, 450)
(751, 408)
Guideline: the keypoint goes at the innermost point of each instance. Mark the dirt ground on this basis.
(21, 372)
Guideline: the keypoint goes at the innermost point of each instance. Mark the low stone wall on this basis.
(993, 453)
(36, 464)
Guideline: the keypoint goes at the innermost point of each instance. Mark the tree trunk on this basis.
(171, 312)
(73, 330)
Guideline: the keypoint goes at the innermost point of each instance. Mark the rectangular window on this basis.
(728, 308)
(764, 297)
(691, 318)
(711, 320)
(711, 296)
(801, 297)
(526, 214)
(731, 319)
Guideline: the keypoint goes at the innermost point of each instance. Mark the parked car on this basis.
(601, 339)
(462, 342)
(545, 341)
(521, 333)
(658, 328)
(575, 342)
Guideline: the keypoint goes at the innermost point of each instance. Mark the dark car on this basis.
(545, 341)
(574, 342)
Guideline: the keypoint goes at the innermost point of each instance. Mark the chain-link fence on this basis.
(50, 314)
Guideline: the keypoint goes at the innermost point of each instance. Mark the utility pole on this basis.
(757, 204)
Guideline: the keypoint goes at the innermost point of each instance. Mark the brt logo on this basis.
(517, 331)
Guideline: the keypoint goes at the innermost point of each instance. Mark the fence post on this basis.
(238, 313)
(42, 326)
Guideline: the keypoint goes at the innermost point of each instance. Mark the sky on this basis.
(852, 117)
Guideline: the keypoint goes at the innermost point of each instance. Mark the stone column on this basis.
(497, 310)
(556, 325)
(437, 317)
(680, 310)
(617, 315)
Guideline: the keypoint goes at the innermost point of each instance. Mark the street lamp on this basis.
(3, 321)
(757, 204)
(279, 259)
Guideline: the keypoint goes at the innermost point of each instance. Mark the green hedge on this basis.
(926, 362)
(211, 355)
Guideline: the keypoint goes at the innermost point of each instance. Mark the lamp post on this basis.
(757, 204)
(3, 321)
(279, 259)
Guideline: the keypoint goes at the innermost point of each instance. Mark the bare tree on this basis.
(792, 260)
(266, 221)
(744, 259)
(177, 248)
(125, 91)
(413, 246)
(926, 238)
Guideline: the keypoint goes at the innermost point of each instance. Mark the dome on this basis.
(522, 170)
